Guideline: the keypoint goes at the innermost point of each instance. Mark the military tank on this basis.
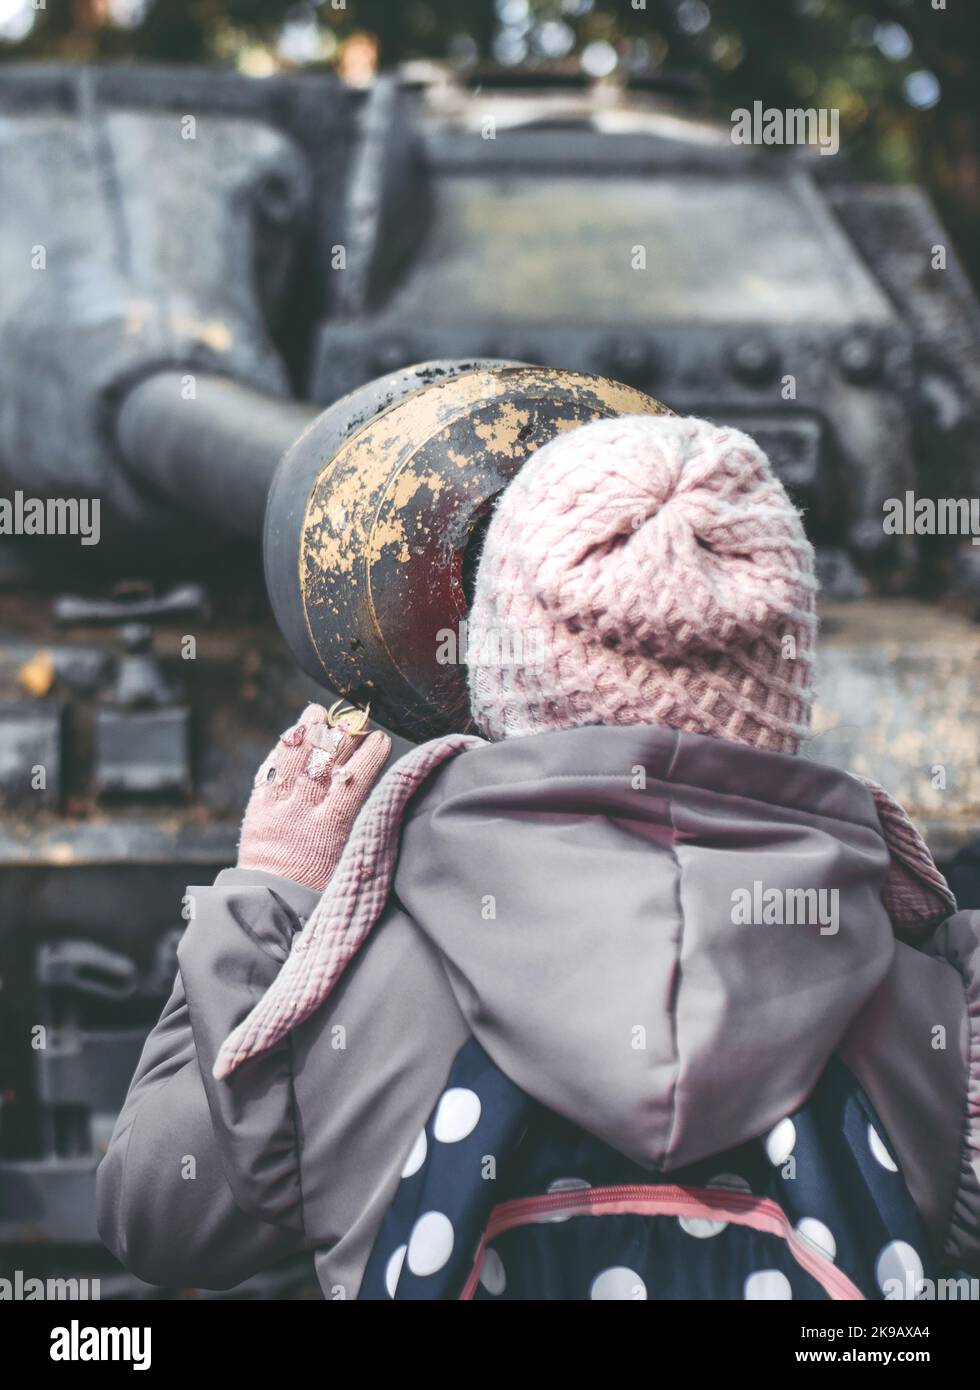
(231, 307)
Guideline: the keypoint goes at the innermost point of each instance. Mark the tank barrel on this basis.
(214, 453)
(375, 516)
(366, 509)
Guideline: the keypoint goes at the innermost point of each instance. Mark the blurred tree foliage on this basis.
(903, 73)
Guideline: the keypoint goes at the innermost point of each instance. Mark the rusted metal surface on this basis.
(898, 683)
(241, 685)
(390, 516)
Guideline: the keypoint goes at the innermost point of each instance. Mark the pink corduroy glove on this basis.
(306, 797)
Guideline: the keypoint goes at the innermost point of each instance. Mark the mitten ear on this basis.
(915, 892)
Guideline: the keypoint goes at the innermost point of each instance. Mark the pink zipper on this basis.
(712, 1204)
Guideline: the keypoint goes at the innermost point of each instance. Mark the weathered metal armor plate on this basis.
(390, 514)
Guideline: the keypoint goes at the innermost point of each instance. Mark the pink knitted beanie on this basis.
(645, 569)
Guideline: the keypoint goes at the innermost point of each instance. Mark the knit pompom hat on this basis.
(645, 569)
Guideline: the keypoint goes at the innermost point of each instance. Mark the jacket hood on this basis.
(661, 936)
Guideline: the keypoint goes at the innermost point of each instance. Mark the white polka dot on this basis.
(618, 1283)
(819, 1235)
(393, 1270)
(430, 1244)
(493, 1277)
(780, 1142)
(417, 1157)
(898, 1261)
(877, 1147)
(564, 1185)
(700, 1226)
(457, 1116)
(768, 1285)
(733, 1181)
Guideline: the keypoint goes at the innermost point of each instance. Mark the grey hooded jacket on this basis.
(570, 900)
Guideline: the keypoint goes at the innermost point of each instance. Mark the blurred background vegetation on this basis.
(903, 73)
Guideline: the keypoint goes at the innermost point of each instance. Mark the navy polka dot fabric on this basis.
(502, 1199)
